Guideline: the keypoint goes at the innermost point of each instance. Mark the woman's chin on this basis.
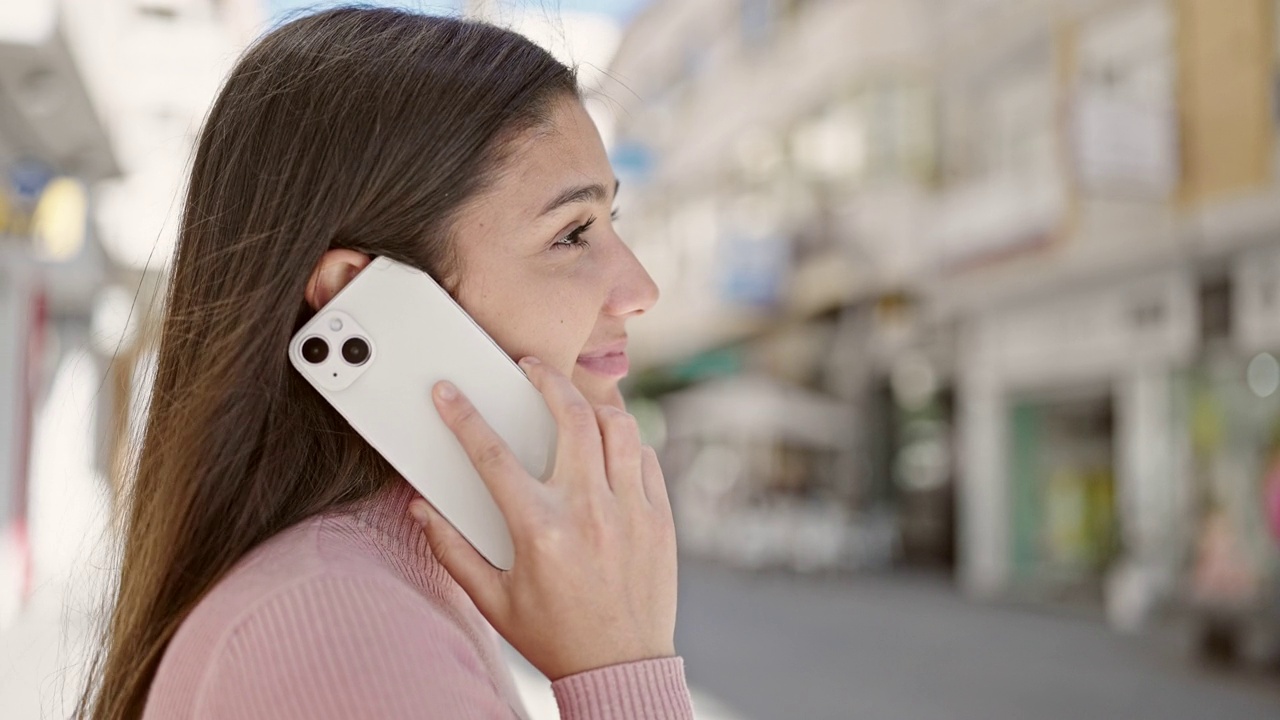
(599, 392)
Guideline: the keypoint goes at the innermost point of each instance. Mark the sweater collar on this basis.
(400, 539)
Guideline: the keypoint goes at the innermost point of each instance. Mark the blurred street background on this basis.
(965, 374)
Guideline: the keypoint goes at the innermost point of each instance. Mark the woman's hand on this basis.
(594, 579)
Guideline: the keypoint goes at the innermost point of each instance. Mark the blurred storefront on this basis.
(1000, 234)
(1103, 373)
(912, 465)
(1231, 584)
(782, 231)
(761, 461)
(1063, 477)
(1071, 440)
(1228, 597)
(898, 369)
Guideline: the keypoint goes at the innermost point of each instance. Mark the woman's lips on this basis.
(611, 364)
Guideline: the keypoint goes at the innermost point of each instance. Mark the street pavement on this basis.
(907, 647)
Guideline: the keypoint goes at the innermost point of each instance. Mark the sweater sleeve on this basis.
(346, 647)
(643, 690)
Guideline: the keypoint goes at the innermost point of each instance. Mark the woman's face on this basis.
(541, 268)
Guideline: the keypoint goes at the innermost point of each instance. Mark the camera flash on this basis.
(335, 324)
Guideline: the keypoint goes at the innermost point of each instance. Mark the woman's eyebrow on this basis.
(584, 193)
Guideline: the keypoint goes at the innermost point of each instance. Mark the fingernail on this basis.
(528, 361)
(446, 391)
(419, 512)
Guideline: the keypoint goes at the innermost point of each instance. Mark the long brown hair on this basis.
(352, 128)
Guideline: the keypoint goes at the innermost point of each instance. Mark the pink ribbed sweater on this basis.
(350, 616)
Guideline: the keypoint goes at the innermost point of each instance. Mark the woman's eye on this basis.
(575, 237)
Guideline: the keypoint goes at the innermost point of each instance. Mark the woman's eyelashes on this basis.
(576, 239)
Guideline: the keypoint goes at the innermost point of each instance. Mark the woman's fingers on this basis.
(621, 437)
(579, 453)
(472, 572)
(498, 467)
(655, 485)
(598, 548)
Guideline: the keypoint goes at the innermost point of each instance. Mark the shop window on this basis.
(1062, 472)
(1233, 559)
(885, 131)
(1005, 114)
(1215, 309)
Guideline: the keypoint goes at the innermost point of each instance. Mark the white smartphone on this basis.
(375, 351)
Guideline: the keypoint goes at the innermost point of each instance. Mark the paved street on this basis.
(777, 646)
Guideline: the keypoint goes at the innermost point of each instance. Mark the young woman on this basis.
(274, 565)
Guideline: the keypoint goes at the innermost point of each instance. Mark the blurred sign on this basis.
(1094, 333)
(27, 180)
(1124, 116)
(1256, 298)
(50, 211)
(752, 268)
(991, 216)
(60, 220)
(1124, 146)
(19, 196)
(632, 161)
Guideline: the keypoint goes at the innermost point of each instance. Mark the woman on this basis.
(274, 565)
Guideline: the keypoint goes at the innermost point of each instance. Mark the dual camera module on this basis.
(355, 350)
(334, 351)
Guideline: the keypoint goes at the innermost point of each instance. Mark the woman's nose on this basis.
(634, 291)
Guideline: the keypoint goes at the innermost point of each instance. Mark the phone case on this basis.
(417, 335)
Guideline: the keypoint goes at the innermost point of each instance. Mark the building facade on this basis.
(1038, 235)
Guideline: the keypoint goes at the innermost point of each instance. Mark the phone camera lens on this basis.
(355, 350)
(315, 350)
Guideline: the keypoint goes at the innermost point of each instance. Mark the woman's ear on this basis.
(335, 269)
